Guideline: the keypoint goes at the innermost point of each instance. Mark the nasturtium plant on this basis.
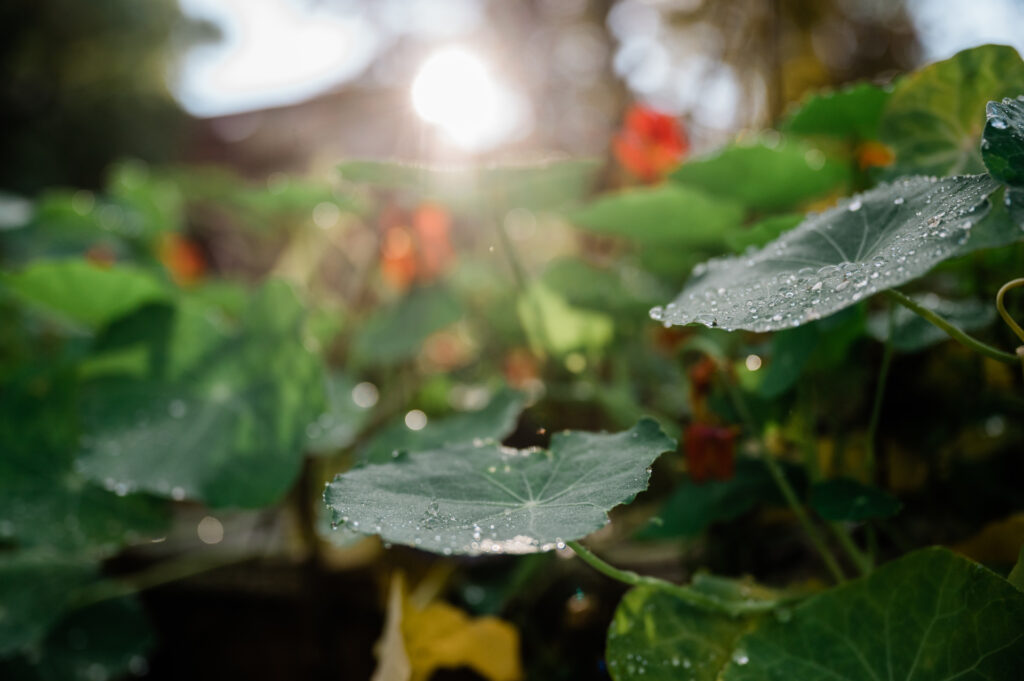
(929, 615)
(485, 498)
(908, 332)
(1002, 146)
(882, 238)
(492, 422)
(848, 500)
(932, 119)
(765, 174)
(850, 113)
(242, 405)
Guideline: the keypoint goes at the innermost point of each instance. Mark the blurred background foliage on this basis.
(219, 289)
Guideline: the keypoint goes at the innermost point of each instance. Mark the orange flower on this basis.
(874, 155)
(710, 452)
(182, 258)
(650, 143)
(421, 252)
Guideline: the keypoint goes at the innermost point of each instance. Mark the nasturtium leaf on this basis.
(607, 288)
(395, 333)
(873, 241)
(341, 422)
(667, 214)
(791, 349)
(43, 501)
(35, 590)
(553, 326)
(765, 174)
(934, 118)
(148, 203)
(843, 499)
(849, 113)
(656, 635)
(1002, 145)
(108, 640)
(535, 186)
(229, 430)
(929, 616)
(763, 232)
(82, 293)
(493, 422)
(911, 332)
(693, 507)
(484, 498)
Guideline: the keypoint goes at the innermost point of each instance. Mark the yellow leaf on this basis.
(997, 542)
(417, 641)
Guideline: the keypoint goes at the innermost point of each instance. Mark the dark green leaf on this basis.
(655, 635)
(106, 640)
(934, 118)
(765, 175)
(693, 507)
(339, 425)
(83, 293)
(850, 113)
(929, 616)
(487, 498)
(912, 333)
(791, 349)
(396, 333)
(1002, 145)
(848, 500)
(666, 214)
(618, 289)
(868, 243)
(35, 590)
(492, 423)
(1016, 576)
(227, 427)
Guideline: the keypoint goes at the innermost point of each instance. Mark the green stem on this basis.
(518, 271)
(876, 408)
(788, 493)
(954, 332)
(859, 558)
(684, 593)
(157, 575)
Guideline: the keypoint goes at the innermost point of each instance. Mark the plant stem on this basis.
(518, 271)
(788, 493)
(876, 408)
(859, 558)
(801, 515)
(693, 597)
(1001, 307)
(954, 332)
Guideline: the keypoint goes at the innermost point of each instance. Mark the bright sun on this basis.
(455, 91)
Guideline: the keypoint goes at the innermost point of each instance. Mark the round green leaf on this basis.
(1002, 145)
(843, 499)
(83, 293)
(666, 214)
(396, 333)
(35, 590)
(929, 616)
(933, 120)
(228, 429)
(766, 174)
(494, 422)
(870, 242)
(657, 636)
(341, 422)
(849, 113)
(484, 498)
